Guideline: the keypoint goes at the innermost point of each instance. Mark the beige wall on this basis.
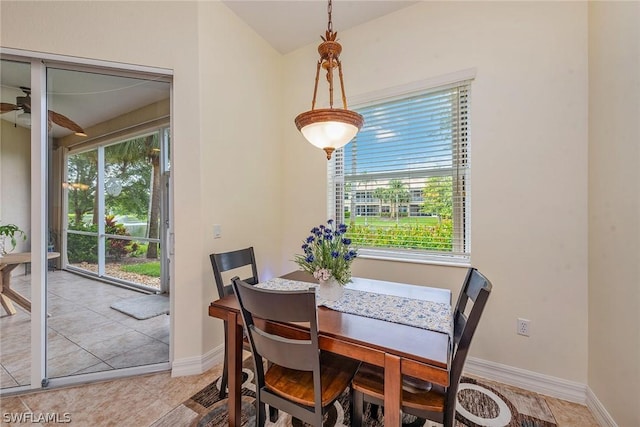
(15, 178)
(240, 124)
(530, 158)
(614, 208)
(215, 59)
(529, 161)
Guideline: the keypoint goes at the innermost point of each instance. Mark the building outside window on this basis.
(402, 184)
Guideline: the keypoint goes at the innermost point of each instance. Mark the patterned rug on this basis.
(480, 404)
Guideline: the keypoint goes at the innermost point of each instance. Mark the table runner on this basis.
(412, 312)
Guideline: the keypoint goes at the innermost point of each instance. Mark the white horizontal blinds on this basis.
(405, 174)
(461, 182)
(335, 184)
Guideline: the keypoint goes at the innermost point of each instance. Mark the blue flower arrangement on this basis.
(327, 253)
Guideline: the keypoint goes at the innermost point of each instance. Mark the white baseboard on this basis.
(544, 384)
(598, 410)
(197, 364)
(528, 380)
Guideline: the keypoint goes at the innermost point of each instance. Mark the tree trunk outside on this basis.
(154, 214)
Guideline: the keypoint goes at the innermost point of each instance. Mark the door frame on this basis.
(39, 62)
(100, 234)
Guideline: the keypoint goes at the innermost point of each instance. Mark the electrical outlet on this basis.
(523, 327)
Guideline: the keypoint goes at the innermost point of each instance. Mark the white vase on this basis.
(330, 290)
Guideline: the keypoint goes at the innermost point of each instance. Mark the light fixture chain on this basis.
(344, 97)
(329, 10)
(330, 79)
(315, 88)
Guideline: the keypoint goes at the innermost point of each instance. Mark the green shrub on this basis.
(84, 248)
(117, 248)
(80, 247)
(137, 250)
(438, 237)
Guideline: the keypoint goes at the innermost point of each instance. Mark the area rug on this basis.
(144, 307)
(480, 404)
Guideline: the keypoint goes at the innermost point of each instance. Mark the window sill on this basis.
(415, 257)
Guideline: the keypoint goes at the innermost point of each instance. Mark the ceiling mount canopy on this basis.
(329, 128)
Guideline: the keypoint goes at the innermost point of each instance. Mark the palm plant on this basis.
(395, 194)
(144, 149)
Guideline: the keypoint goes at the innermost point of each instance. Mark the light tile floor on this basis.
(136, 401)
(84, 333)
(140, 401)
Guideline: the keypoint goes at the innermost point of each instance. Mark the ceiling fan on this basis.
(24, 103)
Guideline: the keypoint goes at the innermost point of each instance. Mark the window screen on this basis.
(402, 183)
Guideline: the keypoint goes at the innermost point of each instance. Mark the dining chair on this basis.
(420, 398)
(299, 379)
(224, 262)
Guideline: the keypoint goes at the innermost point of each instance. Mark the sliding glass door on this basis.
(93, 169)
(15, 191)
(111, 223)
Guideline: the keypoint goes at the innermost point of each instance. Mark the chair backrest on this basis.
(281, 306)
(475, 290)
(227, 261)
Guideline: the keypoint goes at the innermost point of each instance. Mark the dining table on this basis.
(401, 349)
(8, 263)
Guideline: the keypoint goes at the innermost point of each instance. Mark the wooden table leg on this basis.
(7, 294)
(392, 390)
(7, 304)
(17, 298)
(234, 333)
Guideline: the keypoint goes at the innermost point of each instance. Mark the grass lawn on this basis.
(386, 222)
(148, 268)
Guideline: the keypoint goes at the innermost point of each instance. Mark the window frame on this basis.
(336, 188)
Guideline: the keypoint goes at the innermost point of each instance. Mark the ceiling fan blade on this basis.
(66, 122)
(6, 107)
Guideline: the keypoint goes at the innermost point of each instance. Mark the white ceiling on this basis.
(289, 25)
(88, 99)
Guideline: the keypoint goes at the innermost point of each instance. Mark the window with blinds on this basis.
(402, 184)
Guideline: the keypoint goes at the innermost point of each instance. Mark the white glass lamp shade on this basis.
(329, 134)
(329, 129)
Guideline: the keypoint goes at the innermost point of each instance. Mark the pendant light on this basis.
(329, 128)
